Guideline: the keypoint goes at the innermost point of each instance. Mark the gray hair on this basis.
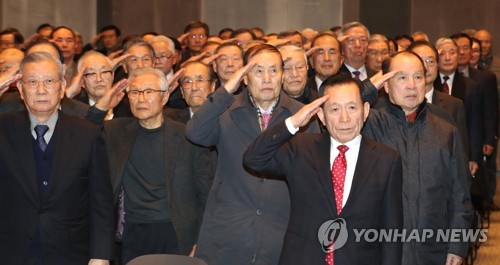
(37, 57)
(89, 54)
(149, 71)
(292, 48)
(166, 40)
(442, 41)
(375, 38)
(138, 42)
(351, 25)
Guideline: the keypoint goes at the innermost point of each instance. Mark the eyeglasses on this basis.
(188, 83)
(199, 36)
(298, 68)
(147, 93)
(163, 57)
(103, 75)
(50, 83)
(430, 62)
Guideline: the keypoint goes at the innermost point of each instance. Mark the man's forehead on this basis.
(138, 50)
(145, 80)
(229, 50)
(195, 70)
(356, 31)
(406, 63)
(326, 41)
(446, 46)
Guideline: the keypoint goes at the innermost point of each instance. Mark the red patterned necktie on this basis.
(265, 119)
(338, 178)
(446, 88)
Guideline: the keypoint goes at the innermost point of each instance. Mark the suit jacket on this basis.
(76, 221)
(455, 108)
(489, 103)
(468, 91)
(374, 200)
(12, 102)
(178, 115)
(187, 177)
(246, 218)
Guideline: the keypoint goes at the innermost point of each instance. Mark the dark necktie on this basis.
(339, 168)
(446, 88)
(356, 74)
(40, 132)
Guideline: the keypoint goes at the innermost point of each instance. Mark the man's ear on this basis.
(20, 88)
(321, 116)
(386, 87)
(212, 87)
(165, 97)
(366, 107)
(245, 80)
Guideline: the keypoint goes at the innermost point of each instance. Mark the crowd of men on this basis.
(238, 148)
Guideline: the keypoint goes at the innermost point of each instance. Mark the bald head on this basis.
(485, 38)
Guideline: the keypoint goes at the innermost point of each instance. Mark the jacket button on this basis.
(259, 212)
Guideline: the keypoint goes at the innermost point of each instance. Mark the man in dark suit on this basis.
(245, 219)
(56, 195)
(369, 196)
(487, 82)
(354, 37)
(326, 60)
(97, 79)
(451, 82)
(160, 181)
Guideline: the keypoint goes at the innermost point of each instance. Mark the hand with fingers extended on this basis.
(278, 42)
(75, 86)
(8, 78)
(173, 81)
(96, 40)
(379, 79)
(311, 51)
(305, 114)
(182, 37)
(233, 83)
(118, 61)
(113, 96)
(211, 59)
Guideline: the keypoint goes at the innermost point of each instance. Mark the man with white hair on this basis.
(295, 75)
(165, 59)
(159, 179)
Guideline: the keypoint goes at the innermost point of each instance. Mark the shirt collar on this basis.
(429, 94)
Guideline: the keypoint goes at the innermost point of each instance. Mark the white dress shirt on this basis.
(428, 95)
(362, 72)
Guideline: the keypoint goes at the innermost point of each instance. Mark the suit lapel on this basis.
(171, 142)
(124, 143)
(22, 140)
(65, 139)
(366, 161)
(458, 89)
(325, 173)
(244, 116)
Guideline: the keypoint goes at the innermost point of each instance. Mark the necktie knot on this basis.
(445, 78)
(41, 130)
(342, 148)
(356, 74)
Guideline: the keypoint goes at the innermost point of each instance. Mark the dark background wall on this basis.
(390, 17)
